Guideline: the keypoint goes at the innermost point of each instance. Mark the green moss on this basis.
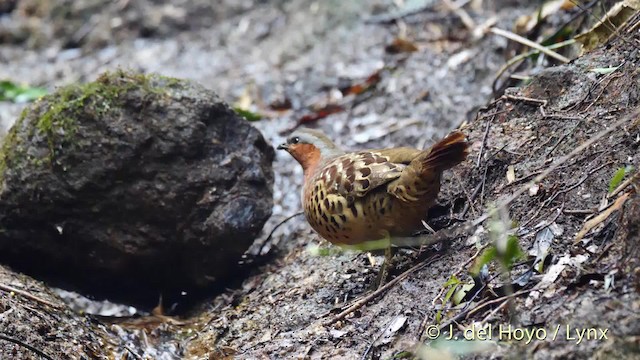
(55, 116)
(97, 98)
(10, 143)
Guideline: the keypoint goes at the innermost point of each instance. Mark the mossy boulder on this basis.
(132, 186)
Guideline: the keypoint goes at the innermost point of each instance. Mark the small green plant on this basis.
(505, 246)
(250, 116)
(618, 176)
(453, 284)
(402, 355)
(507, 258)
(318, 250)
(10, 91)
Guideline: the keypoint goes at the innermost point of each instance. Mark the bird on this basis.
(370, 199)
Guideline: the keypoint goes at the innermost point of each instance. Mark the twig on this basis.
(25, 345)
(132, 352)
(609, 77)
(562, 139)
(459, 11)
(564, 191)
(484, 116)
(484, 140)
(494, 301)
(458, 271)
(360, 303)
(368, 350)
(475, 193)
(603, 252)
(494, 311)
(525, 99)
(538, 171)
(468, 196)
(575, 16)
(550, 199)
(601, 217)
(484, 182)
(561, 117)
(11, 289)
(452, 232)
(467, 313)
(517, 38)
(632, 26)
(578, 211)
(518, 58)
(276, 228)
(622, 186)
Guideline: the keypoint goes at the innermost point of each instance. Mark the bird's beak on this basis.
(283, 147)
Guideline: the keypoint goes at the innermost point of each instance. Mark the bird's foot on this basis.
(385, 269)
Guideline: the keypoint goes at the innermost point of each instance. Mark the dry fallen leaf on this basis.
(511, 174)
(396, 324)
(615, 18)
(400, 45)
(526, 23)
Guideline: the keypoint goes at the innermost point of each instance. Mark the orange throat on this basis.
(308, 156)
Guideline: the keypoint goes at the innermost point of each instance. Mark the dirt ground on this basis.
(299, 52)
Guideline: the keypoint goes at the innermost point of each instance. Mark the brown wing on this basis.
(354, 175)
(421, 178)
(402, 155)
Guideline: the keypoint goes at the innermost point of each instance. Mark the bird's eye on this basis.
(294, 140)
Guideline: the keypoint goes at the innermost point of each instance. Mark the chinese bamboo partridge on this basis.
(359, 197)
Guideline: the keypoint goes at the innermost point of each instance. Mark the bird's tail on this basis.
(420, 181)
(445, 154)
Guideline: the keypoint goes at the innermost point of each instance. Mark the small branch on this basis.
(26, 346)
(399, 14)
(474, 195)
(484, 141)
(601, 217)
(27, 295)
(276, 228)
(469, 197)
(578, 211)
(562, 139)
(360, 303)
(540, 102)
(459, 11)
(517, 38)
(133, 353)
(518, 58)
(455, 231)
(469, 312)
(370, 347)
(623, 186)
(494, 311)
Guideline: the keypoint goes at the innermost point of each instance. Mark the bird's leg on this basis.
(386, 266)
(380, 244)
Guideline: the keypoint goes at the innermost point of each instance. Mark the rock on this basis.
(132, 186)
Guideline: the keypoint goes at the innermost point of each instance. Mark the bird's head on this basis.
(309, 147)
